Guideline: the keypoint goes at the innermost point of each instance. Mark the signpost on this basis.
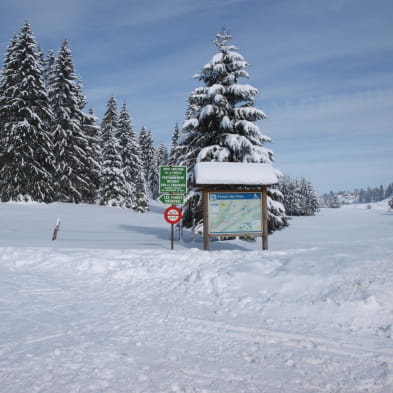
(173, 179)
(172, 216)
(173, 186)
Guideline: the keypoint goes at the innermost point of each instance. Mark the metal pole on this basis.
(264, 219)
(205, 201)
(172, 236)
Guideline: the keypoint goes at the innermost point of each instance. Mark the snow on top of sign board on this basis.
(235, 173)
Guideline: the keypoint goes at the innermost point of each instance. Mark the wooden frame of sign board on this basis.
(267, 178)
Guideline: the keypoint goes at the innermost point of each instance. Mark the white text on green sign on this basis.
(173, 179)
(235, 213)
(172, 199)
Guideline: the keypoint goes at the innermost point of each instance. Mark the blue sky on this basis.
(324, 70)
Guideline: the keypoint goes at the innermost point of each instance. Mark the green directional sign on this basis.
(172, 199)
(173, 179)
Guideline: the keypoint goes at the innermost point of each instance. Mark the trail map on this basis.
(235, 213)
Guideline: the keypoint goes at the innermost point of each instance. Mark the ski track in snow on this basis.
(313, 317)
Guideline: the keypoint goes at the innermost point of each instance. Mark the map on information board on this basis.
(235, 213)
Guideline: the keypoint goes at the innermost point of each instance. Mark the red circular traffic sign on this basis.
(172, 215)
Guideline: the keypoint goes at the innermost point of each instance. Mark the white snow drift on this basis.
(109, 308)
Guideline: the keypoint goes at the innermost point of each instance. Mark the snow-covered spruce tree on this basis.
(113, 187)
(154, 177)
(160, 158)
(162, 155)
(148, 155)
(8, 78)
(26, 151)
(299, 197)
(311, 200)
(49, 67)
(91, 129)
(174, 144)
(71, 145)
(130, 154)
(389, 190)
(222, 125)
(110, 121)
(113, 191)
(292, 199)
(141, 199)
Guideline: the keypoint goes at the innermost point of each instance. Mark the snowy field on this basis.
(109, 308)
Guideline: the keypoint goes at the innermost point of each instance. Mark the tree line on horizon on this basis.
(51, 149)
(359, 195)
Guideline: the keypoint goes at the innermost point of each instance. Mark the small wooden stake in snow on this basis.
(56, 230)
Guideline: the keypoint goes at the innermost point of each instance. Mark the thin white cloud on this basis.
(151, 11)
(359, 112)
(52, 16)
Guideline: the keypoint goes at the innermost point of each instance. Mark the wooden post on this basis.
(205, 201)
(56, 230)
(264, 219)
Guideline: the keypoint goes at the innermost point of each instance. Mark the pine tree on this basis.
(389, 190)
(174, 145)
(8, 79)
(381, 193)
(130, 154)
(140, 198)
(71, 144)
(49, 67)
(154, 178)
(92, 131)
(160, 158)
(148, 153)
(162, 155)
(26, 151)
(114, 190)
(221, 125)
(293, 200)
(311, 202)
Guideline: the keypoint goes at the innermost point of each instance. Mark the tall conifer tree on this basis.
(222, 125)
(141, 199)
(173, 152)
(113, 186)
(130, 154)
(26, 151)
(71, 145)
(92, 131)
(162, 154)
(148, 155)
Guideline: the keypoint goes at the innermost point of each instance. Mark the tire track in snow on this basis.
(294, 340)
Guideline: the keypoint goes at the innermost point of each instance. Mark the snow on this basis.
(235, 173)
(108, 307)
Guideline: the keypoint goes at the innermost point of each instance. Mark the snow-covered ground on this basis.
(108, 307)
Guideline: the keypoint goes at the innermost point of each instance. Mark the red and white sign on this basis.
(172, 215)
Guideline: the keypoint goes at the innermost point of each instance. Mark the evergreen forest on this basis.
(54, 148)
